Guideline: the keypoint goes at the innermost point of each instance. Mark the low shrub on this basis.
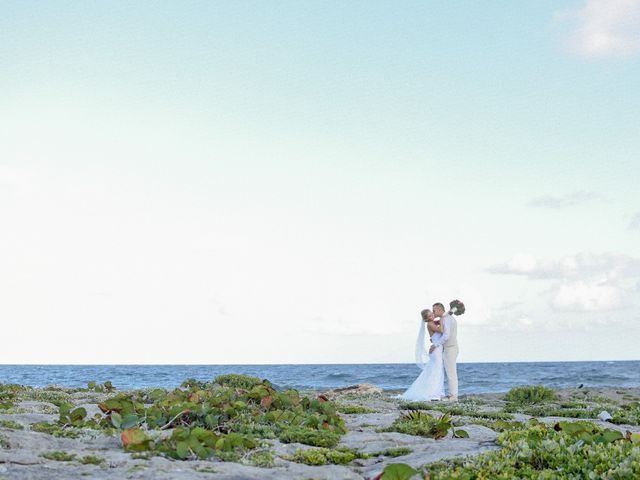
(354, 409)
(421, 424)
(11, 425)
(530, 394)
(395, 452)
(59, 456)
(91, 460)
(235, 380)
(567, 450)
(309, 436)
(324, 456)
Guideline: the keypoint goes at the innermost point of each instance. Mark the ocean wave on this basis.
(474, 378)
(334, 376)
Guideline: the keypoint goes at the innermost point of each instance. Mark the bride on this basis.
(430, 383)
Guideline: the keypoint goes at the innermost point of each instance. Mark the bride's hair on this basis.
(424, 313)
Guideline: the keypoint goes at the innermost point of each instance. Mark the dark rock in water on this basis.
(358, 389)
(581, 385)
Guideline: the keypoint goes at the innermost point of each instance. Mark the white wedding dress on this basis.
(430, 383)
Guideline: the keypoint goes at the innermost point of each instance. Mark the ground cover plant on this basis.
(91, 460)
(59, 456)
(107, 386)
(628, 414)
(420, 423)
(348, 409)
(528, 395)
(8, 395)
(552, 410)
(394, 452)
(227, 418)
(566, 450)
(324, 456)
(460, 410)
(11, 425)
(587, 407)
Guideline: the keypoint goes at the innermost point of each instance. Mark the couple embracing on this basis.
(442, 327)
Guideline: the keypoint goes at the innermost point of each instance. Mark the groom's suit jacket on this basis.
(450, 335)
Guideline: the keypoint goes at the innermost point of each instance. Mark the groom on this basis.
(449, 339)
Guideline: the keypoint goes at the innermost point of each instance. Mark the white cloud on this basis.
(604, 28)
(585, 282)
(508, 316)
(19, 180)
(522, 263)
(564, 201)
(612, 265)
(635, 222)
(589, 296)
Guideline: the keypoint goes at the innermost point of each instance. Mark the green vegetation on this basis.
(91, 460)
(460, 410)
(226, 419)
(629, 414)
(4, 442)
(100, 387)
(554, 411)
(310, 436)
(354, 409)
(528, 395)
(587, 407)
(394, 452)
(234, 380)
(324, 456)
(422, 424)
(8, 393)
(498, 425)
(567, 450)
(261, 458)
(399, 471)
(50, 396)
(11, 425)
(59, 456)
(341, 456)
(56, 430)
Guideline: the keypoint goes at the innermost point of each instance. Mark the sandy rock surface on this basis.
(23, 457)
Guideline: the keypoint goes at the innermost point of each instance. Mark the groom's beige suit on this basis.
(449, 340)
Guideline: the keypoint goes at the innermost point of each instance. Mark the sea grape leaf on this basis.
(266, 401)
(134, 439)
(116, 419)
(220, 444)
(398, 471)
(182, 450)
(78, 414)
(611, 436)
(129, 420)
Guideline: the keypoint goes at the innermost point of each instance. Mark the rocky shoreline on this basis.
(374, 436)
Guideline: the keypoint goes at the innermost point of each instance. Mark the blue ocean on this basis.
(474, 377)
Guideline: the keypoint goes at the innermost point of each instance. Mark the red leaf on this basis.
(132, 436)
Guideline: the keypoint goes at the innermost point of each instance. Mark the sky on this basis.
(292, 182)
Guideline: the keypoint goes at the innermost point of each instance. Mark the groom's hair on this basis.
(438, 305)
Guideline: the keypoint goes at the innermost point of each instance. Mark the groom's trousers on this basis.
(450, 355)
